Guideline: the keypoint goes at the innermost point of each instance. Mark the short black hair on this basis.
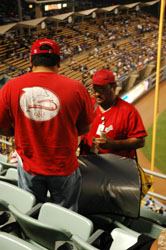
(45, 59)
(112, 84)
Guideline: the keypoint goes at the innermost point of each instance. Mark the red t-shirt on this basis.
(120, 122)
(45, 109)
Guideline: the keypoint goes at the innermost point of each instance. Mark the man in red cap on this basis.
(46, 112)
(117, 127)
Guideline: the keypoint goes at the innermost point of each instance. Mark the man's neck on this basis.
(45, 69)
(107, 106)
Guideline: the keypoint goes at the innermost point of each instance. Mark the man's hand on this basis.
(126, 144)
(104, 143)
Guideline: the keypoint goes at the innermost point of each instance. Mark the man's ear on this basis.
(113, 85)
(30, 62)
(58, 64)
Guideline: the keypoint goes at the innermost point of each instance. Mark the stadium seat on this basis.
(54, 224)
(10, 176)
(144, 226)
(21, 199)
(153, 216)
(122, 239)
(4, 164)
(3, 158)
(11, 242)
(139, 225)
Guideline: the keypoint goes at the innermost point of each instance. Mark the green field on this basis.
(160, 156)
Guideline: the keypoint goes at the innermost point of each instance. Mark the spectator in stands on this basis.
(161, 210)
(117, 127)
(149, 202)
(164, 212)
(46, 112)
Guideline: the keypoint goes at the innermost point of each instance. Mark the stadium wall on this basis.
(143, 87)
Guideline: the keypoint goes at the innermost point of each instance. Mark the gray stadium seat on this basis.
(4, 164)
(11, 242)
(122, 240)
(153, 216)
(54, 224)
(21, 199)
(10, 176)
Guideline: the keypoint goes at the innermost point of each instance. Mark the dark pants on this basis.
(64, 190)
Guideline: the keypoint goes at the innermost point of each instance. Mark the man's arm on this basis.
(126, 144)
(6, 124)
(83, 129)
(7, 131)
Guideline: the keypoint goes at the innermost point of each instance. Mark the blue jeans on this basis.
(64, 190)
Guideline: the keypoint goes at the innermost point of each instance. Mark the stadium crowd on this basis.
(123, 44)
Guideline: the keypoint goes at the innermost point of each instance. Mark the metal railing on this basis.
(6, 142)
(163, 176)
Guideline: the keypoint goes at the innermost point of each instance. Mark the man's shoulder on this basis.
(125, 107)
(12, 82)
(124, 103)
(70, 81)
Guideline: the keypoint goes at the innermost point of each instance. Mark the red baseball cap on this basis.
(37, 44)
(103, 77)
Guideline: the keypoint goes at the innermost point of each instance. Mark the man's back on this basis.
(46, 107)
(46, 113)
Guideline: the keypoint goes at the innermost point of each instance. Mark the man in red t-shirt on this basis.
(117, 127)
(46, 112)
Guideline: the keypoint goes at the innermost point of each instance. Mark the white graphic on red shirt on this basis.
(39, 104)
(109, 129)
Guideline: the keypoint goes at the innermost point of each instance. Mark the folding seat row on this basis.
(49, 226)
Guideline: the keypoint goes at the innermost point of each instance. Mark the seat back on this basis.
(12, 173)
(153, 216)
(11, 176)
(3, 158)
(81, 244)
(4, 166)
(38, 232)
(8, 242)
(147, 227)
(11, 194)
(4, 163)
(122, 239)
(73, 222)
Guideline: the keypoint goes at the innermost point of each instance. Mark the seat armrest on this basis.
(8, 164)
(95, 236)
(3, 172)
(3, 205)
(34, 212)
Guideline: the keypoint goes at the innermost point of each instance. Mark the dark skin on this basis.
(7, 131)
(105, 98)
